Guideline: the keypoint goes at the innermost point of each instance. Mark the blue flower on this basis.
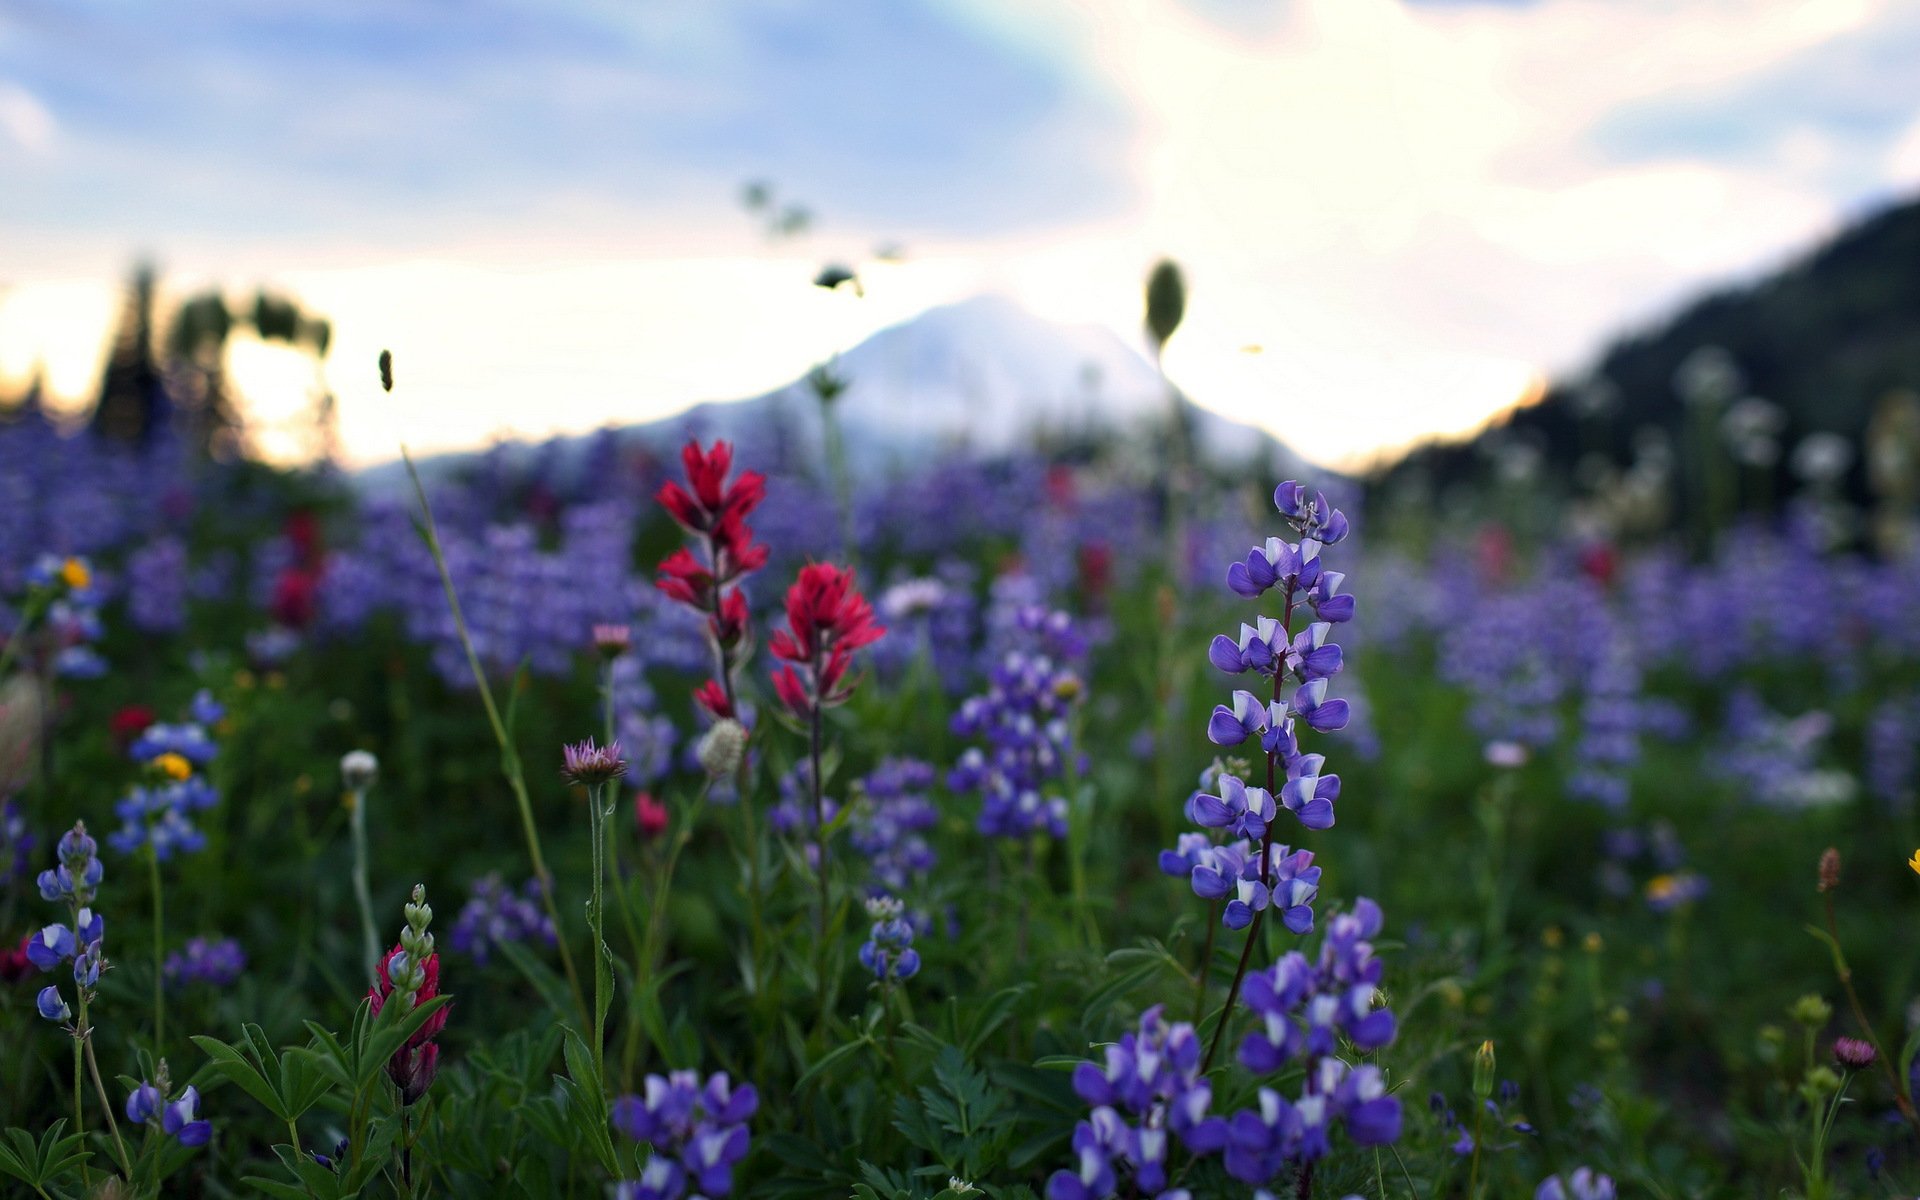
(888, 951)
(51, 1006)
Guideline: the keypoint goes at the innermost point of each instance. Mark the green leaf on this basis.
(826, 1060)
(586, 1094)
(234, 1067)
(550, 987)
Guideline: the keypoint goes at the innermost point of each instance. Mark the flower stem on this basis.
(596, 918)
(1233, 992)
(362, 893)
(159, 955)
(1206, 964)
(819, 821)
(106, 1107)
(509, 757)
(1902, 1100)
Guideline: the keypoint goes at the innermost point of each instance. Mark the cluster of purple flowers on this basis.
(792, 814)
(495, 914)
(16, 842)
(178, 1118)
(888, 951)
(1149, 1091)
(647, 736)
(215, 962)
(1305, 1009)
(1025, 719)
(698, 1133)
(1584, 1183)
(889, 825)
(72, 614)
(1893, 752)
(1497, 1108)
(1610, 724)
(81, 939)
(931, 619)
(1774, 760)
(157, 584)
(1252, 873)
(158, 813)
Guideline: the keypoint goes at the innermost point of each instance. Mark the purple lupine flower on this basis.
(1305, 1007)
(80, 939)
(187, 739)
(698, 1133)
(178, 1118)
(888, 951)
(1584, 1184)
(1152, 1075)
(1240, 810)
(495, 914)
(1024, 717)
(51, 1005)
(215, 962)
(16, 842)
(894, 812)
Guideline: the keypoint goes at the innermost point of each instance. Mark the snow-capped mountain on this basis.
(982, 375)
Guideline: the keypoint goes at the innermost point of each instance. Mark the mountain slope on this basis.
(1825, 338)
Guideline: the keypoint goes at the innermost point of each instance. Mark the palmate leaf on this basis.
(38, 1163)
(233, 1066)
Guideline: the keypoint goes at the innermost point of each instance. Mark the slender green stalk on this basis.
(509, 757)
(819, 821)
(1233, 992)
(597, 919)
(106, 1105)
(159, 954)
(641, 966)
(1206, 964)
(362, 893)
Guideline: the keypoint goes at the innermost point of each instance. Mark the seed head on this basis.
(1829, 869)
(358, 770)
(722, 748)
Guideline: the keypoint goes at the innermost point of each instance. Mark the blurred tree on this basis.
(186, 382)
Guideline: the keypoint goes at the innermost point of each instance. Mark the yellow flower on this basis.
(1914, 862)
(173, 766)
(74, 573)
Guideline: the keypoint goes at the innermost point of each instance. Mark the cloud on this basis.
(24, 120)
(403, 118)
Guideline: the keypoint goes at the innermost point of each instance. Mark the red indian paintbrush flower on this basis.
(709, 500)
(706, 575)
(827, 620)
(414, 1064)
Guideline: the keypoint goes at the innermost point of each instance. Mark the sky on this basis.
(1397, 217)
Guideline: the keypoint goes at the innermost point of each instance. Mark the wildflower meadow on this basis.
(663, 825)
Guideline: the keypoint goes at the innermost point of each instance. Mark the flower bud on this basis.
(1483, 1070)
(1829, 869)
(722, 748)
(1820, 1082)
(1810, 1010)
(612, 640)
(358, 770)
